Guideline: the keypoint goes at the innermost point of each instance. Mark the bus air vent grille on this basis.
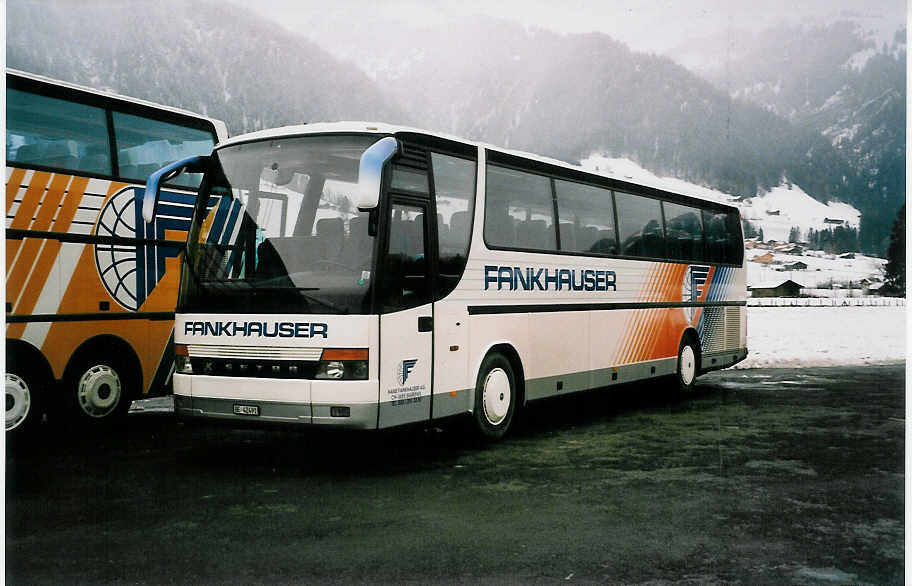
(413, 156)
(253, 352)
(732, 327)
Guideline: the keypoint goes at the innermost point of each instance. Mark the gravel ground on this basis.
(762, 476)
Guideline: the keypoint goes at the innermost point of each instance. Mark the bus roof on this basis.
(221, 128)
(380, 128)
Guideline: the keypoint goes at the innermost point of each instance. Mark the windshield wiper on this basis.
(300, 290)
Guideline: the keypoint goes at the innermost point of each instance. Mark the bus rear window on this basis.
(55, 133)
(723, 237)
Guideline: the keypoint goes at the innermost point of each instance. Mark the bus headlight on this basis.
(343, 363)
(331, 369)
(182, 360)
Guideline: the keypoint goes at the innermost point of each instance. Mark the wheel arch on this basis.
(20, 351)
(511, 354)
(107, 343)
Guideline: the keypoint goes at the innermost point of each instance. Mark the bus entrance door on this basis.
(406, 321)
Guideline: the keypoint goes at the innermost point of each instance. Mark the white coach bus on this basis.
(318, 292)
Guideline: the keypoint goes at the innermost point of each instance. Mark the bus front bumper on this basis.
(348, 404)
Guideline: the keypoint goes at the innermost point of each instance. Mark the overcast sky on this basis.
(648, 25)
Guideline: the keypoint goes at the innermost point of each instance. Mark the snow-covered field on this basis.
(820, 271)
(785, 337)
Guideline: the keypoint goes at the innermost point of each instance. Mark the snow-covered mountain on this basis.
(559, 95)
(845, 79)
(569, 95)
(214, 58)
(776, 211)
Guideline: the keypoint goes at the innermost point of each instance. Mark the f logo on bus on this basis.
(405, 368)
(129, 271)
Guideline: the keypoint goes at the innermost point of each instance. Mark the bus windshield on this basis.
(281, 232)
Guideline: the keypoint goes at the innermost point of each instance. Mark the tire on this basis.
(24, 393)
(495, 397)
(688, 365)
(99, 389)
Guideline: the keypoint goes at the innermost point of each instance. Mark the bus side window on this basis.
(586, 218)
(454, 190)
(520, 199)
(144, 146)
(56, 133)
(640, 225)
(722, 237)
(684, 230)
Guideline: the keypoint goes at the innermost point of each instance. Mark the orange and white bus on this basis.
(90, 291)
(367, 276)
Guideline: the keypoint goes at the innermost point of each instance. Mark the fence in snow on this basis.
(826, 301)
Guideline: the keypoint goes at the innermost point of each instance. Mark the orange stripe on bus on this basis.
(12, 187)
(39, 276)
(70, 204)
(51, 202)
(25, 213)
(30, 201)
(633, 338)
(30, 252)
(653, 316)
(642, 350)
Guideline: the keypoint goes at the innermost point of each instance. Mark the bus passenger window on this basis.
(640, 225)
(586, 218)
(454, 187)
(684, 231)
(56, 133)
(723, 242)
(144, 146)
(520, 201)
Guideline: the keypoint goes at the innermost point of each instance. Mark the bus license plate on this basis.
(246, 409)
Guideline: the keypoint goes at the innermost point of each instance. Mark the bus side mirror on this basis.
(197, 164)
(370, 171)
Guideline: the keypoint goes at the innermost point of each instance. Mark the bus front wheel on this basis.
(688, 364)
(495, 397)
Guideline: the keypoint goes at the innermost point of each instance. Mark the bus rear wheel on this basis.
(495, 397)
(688, 364)
(23, 401)
(99, 389)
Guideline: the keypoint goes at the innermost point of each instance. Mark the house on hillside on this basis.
(836, 221)
(795, 266)
(790, 249)
(788, 288)
(763, 259)
(847, 255)
(872, 289)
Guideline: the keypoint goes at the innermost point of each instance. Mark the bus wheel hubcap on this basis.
(99, 391)
(688, 365)
(496, 395)
(18, 401)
